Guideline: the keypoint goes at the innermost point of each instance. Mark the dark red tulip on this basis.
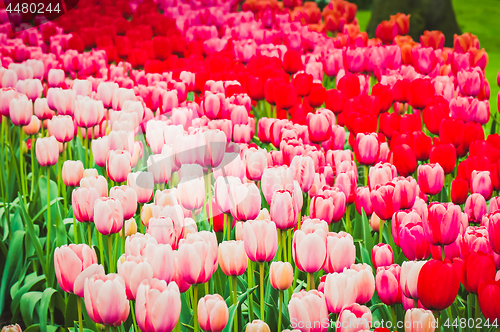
(384, 93)
(410, 123)
(478, 267)
(437, 284)
(317, 95)
(400, 90)
(436, 110)
(459, 191)
(445, 155)
(335, 100)
(489, 300)
(285, 95)
(269, 86)
(422, 145)
(302, 83)
(349, 85)
(404, 159)
(292, 61)
(389, 123)
(451, 131)
(420, 92)
(370, 104)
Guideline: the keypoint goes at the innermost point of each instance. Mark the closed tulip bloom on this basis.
(130, 227)
(128, 199)
(108, 215)
(480, 182)
(309, 250)
(118, 165)
(276, 178)
(161, 257)
(494, 230)
(88, 112)
(365, 281)
(283, 209)
(105, 92)
(475, 207)
(303, 171)
(261, 240)
(354, 317)
(97, 182)
(367, 148)
(166, 230)
(363, 201)
(419, 320)
(191, 193)
(223, 192)
(12, 328)
(55, 77)
(322, 207)
(489, 300)
(477, 268)
(412, 240)
(381, 174)
(100, 149)
(247, 201)
(340, 252)
(340, 290)
(47, 151)
(255, 162)
(382, 255)
(257, 326)
(105, 299)
(158, 305)
(233, 259)
(70, 261)
(143, 184)
(387, 284)
(133, 273)
(385, 200)
(33, 127)
(280, 275)
(198, 257)
(319, 127)
(42, 110)
(430, 178)
(442, 225)
(309, 308)
(215, 147)
(438, 284)
(410, 271)
(20, 110)
(407, 189)
(72, 172)
(62, 127)
(213, 313)
(83, 200)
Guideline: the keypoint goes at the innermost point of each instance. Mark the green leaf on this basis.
(233, 308)
(50, 297)
(29, 302)
(13, 265)
(27, 287)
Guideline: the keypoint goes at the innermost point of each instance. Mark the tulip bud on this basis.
(281, 275)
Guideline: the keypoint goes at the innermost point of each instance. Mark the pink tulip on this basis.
(261, 240)
(303, 171)
(161, 257)
(339, 202)
(242, 133)
(55, 77)
(118, 165)
(354, 318)
(166, 230)
(100, 149)
(385, 200)
(20, 110)
(143, 185)
(9, 78)
(387, 284)
(154, 297)
(121, 140)
(191, 193)
(309, 250)
(133, 273)
(257, 326)
(470, 81)
(319, 126)
(72, 173)
(340, 252)
(215, 147)
(276, 178)
(420, 320)
(247, 201)
(365, 282)
(347, 183)
(474, 239)
(97, 182)
(47, 151)
(308, 311)
(88, 112)
(280, 275)
(430, 178)
(283, 209)
(340, 290)
(70, 261)
(136, 244)
(105, 299)
(233, 259)
(223, 192)
(198, 257)
(481, 183)
(409, 276)
(412, 240)
(382, 255)
(255, 162)
(213, 313)
(128, 199)
(442, 226)
(79, 285)
(380, 174)
(105, 92)
(367, 148)
(161, 167)
(108, 215)
(83, 203)
(407, 189)
(363, 201)
(33, 127)
(62, 127)
(475, 207)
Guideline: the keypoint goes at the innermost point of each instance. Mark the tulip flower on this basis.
(105, 299)
(437, 285)
(72, 172)
(354, 315)
(281, 275)
(442, 226)
(134, 273)
(20, 110)
(276, 178)
(118, 165)
(156, 296)
(309, 250)
(382, 255)
(480, 182)
(108, 215)
(233, 259)
(340, 290)
(410, 271)
(385, 200)
(166, 230)
(367, 148)
(128, 199)
(97, 182)
(340, 252)
(143, 184)
(387, 284)
(489, 300)
(47, 151)
(70, 261)
(475, 207)
(212, 313)
(412, 240)
(303, 171)
(100, 149)
(197, 257)
(247, 201)
(261, 240)
(417, 320)
(307, 310)
(255, 162)
(83, 200)
(191, 193)
(430, 178)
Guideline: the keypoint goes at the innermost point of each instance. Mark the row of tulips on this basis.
(208, 179)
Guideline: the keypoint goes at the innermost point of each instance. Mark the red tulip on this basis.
(445, 155)
(459, 191)
(420, 92)
(438, 284)
(489, 300)
(404, 159)
(477, 268)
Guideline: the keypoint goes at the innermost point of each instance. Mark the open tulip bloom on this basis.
(187, 166)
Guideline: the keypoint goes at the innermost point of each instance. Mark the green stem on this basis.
(75, 230)
(123, 236)
(280, 308)
(69, 150)
(133, 315)
(89, 228)
(280, 245)
(210, 212)
(381, 232)
(290, 235)
(207, 287)
(393, 312)
(91, 156)
(85, 146)
(21, 165)
(308, 288)
(32, 167)
(348, 219)
(101, 248)
(250, 285)
(365, 168)
(110, 254)
(59, 177)
(235, 290)
(437, 314)
(49, 224)
(262, 305)
(477, 312)
(283, 241)
(79, 305)
(178, 326)
(442, 252)
(195, 308)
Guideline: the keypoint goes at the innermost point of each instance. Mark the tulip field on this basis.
(257, 165)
